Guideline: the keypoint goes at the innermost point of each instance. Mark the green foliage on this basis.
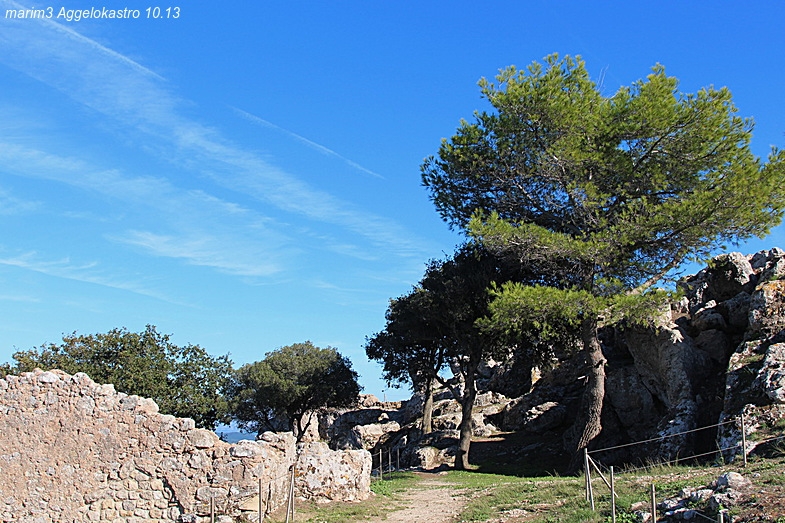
(288, 383)
(409, 346)
(620, 188)
(183, 381)
(438, 319)
(623, 516)
(601, 196)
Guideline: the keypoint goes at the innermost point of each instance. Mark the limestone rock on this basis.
(767, 309)
(369, 435)
(322, 477)
(716, 344)
(735, 311)
(731, 480)
(668, 362)
(629, 398)
(726, 491)
(536, 419)
(708, 317)
(726, 276)
(429, 458)
(769, 264)
(771, 377)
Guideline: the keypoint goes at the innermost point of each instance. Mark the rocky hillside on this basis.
(714, 355)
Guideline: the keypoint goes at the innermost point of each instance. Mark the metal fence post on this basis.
(290, 505)
(653, 504)
(613, 498)
(743, 439)
(261, 513)
(586, 473)
(589, 491)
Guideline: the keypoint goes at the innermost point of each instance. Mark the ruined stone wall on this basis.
(72, 450)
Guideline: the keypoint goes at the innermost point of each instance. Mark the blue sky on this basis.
(246, 175)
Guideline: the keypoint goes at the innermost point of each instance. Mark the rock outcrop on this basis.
(72, 450)
(714, 355)
(703, 503)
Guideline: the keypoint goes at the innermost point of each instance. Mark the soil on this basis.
(436, 501)
(433, 501)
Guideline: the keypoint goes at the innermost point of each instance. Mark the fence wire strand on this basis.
(628, 470)
(591, 462)
(661, 438)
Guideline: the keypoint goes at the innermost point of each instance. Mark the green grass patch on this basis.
(382, 501)
(545, 499)
(493, 495)
(394, 483)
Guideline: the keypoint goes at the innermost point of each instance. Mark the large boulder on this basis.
(629, 397)
(520, 415)
(725, 277)
(770, 265)
(771, 376)
(754, 397)
(325, 475)
(336, 426)
(668, 362)
(767, 309)
(429, 458)
(370, 435)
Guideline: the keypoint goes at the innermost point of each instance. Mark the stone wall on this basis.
(72, 450)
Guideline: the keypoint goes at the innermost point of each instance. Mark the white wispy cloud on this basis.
(11, 205)
(313, 145)
(83, 272)
(139, 99)
(202, 250)
(19, 298)
(194, 226)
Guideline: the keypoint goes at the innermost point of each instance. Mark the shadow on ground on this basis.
(519, 454)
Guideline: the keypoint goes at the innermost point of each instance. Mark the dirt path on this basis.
(433, 501)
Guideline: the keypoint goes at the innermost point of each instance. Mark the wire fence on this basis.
(378, 458)
(605, 473)
(592, 464)
(265, 507)
(380, 469)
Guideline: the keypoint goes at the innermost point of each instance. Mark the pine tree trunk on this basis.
(466, 426)
(427, 409)
(588, 423)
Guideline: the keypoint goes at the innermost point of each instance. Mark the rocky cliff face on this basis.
(717, 353)
(73, 450)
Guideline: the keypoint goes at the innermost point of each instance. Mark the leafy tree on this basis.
(608, 194)
(290, 382)
(410, 347)
(183, 381)
(437, 323)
